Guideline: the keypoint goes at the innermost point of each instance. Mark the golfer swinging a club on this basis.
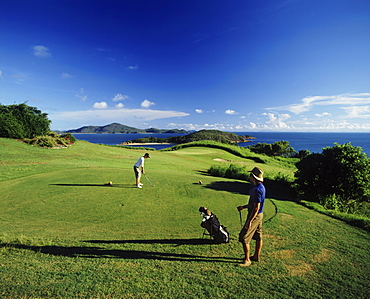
(252, 228)
(140, 164)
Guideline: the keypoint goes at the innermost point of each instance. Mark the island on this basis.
(117, 128)
(215, 135)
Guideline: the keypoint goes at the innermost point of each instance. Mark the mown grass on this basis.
(65, 234)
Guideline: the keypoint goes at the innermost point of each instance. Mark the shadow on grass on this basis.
(96, 185)
(274, 189)
(177, 242)
(100, 252)
(230, 186)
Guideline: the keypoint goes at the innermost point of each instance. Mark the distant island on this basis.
(215, 135)
(116, 128)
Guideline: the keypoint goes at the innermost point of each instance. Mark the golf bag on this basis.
(210, 222)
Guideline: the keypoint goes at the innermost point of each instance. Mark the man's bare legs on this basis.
(256, 256)
(246, 261)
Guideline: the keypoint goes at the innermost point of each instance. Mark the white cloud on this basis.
(271, 116)
(277, 121)
(41, 51)
(216, 126)
(81, 94)
(304, 126)
(120, 97)
(66, 76)
(19, 78)
(357, 111)
(231, 112)
(132, 67)
(1, 74)
(101, 105)
(119, 105)
(198, 110)
(323, 114)
(147, 104)
(308, 103)
(338, 109)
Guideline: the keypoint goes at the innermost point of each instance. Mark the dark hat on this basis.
(147, 155)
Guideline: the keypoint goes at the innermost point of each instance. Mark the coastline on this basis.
(314, 142)
(149, 143)
(167, 143)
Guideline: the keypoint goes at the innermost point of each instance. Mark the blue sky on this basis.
(283, 65)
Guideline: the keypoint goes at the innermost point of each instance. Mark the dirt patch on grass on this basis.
(286, 216)
(294, 266)
(284, 254)
(221, 160)
(300, 269)
(276, 242)
(323, 256)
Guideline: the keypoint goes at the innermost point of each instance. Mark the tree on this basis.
(278, 148)
(22, 121)
(302, 154)
(341, 172)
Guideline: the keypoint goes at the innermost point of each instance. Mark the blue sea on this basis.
(314, 142)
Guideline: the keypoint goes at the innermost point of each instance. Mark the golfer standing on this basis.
(253, 225)
(140, 164)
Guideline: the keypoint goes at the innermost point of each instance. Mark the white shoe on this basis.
(138, 186)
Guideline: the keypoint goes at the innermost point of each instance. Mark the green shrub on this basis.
(62, 141)
(231, 171)
(238, 172)
(49, 141)
(352, 219)
(68, 136)
(218, 170)
(339, 177)
(361, 208)
(278, 148)
(331, 202)
(22, 121)
(43, 141)
(53, 134)
(284, 179)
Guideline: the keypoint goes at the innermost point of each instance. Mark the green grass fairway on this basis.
(66, 234)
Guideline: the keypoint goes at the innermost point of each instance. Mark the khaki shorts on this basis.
(254, 232)
(137, 172)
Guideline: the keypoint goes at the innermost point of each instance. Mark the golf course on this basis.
(66, 233)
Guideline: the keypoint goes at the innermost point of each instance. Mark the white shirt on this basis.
(140, 162)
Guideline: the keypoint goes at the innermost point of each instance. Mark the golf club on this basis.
(149, 181)
(240, 217)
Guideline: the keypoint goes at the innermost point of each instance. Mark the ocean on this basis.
(314, 142)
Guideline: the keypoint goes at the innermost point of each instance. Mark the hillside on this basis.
(116, 128)
(66, 234)
(214, 135)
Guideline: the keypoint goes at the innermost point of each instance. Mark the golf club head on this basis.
(149, 181)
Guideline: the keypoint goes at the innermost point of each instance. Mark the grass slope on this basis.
(64, 233)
